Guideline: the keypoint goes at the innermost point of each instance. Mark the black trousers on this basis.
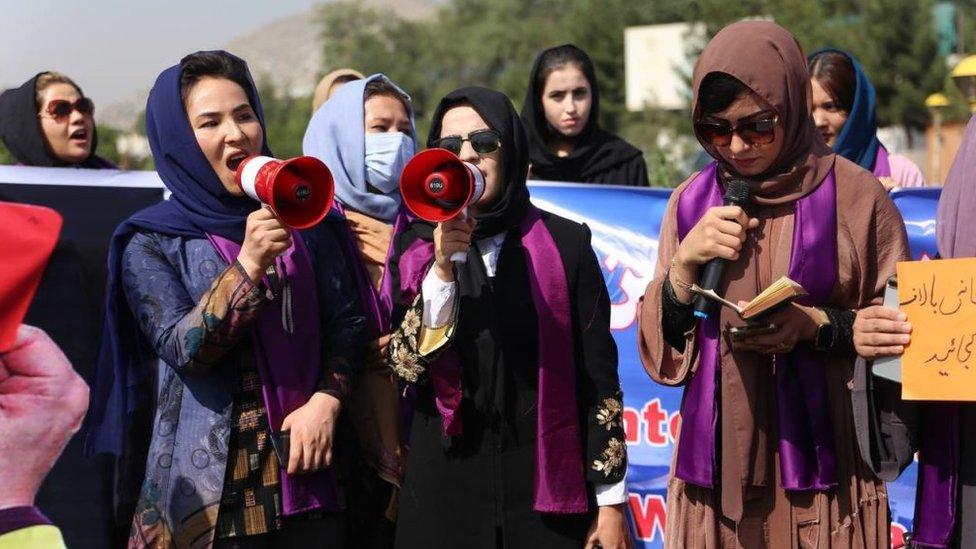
(326, 532)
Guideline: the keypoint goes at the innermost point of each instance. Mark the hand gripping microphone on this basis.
(737, 193)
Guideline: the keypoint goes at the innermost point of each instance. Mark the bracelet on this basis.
(677, 279)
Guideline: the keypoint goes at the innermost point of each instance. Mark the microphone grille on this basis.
(737, 192)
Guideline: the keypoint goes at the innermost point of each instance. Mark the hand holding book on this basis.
(774, 324)
(778, 293)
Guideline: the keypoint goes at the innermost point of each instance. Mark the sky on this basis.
(113, 48)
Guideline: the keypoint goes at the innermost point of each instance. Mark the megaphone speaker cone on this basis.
(300, 190)
(436, 185)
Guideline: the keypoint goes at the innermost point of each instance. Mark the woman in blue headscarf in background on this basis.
(365, 134)
(844, 110)
(242, 359)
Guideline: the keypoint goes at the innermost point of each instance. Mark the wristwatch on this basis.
(824, 341)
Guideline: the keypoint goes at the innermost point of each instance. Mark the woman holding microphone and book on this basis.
(766, 454)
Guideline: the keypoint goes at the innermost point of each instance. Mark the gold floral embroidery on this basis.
(613, 458)
(403, 357)
(608, 415)
(411, 321)
(407, 364)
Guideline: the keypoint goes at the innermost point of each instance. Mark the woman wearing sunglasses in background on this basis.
(561, 115)
(767, 455)
(365, 134)
(844, 111)
(517, 439)
(48, 121)
(243, 357)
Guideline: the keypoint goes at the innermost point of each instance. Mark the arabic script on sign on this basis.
(939, 298)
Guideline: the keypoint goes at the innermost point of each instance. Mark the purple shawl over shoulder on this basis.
(806, 447)
(560, 485)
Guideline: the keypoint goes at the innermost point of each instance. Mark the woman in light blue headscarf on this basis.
(844, 110)
(365, 134)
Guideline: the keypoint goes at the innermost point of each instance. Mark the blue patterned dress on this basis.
(196, 312)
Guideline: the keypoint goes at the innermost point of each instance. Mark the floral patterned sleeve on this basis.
(600, 396)
(189, 336)
(413, 346)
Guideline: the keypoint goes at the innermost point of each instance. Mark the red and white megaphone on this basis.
(436, 186)
(299, 190)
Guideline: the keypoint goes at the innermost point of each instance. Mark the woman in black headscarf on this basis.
(48, 121)
(561, 115)
(517, 433)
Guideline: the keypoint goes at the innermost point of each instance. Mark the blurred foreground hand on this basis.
(42, 403)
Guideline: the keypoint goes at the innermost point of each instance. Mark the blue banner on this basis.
(625, 223)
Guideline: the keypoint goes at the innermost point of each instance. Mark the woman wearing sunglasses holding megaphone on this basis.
(253, 368)
(48, 121)
(503, 331)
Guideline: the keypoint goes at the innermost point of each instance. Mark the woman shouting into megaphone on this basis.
(517, 433)
(252, 368)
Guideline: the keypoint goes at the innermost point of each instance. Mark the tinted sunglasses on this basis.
(482, 141)
(59, 108)
(754, 132)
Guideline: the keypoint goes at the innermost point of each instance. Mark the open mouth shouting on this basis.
(80, 135)
(234, 160)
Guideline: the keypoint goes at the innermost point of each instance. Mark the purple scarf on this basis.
(560, 485)
(937, 490)
(938, 474)
(882, 168)
(806, 445)
(290, 366)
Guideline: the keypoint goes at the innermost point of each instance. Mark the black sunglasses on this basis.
(484, 141)
(754, 132)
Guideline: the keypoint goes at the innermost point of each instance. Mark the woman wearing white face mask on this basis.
(365, 134)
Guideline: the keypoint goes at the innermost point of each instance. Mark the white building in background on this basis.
(658, 60)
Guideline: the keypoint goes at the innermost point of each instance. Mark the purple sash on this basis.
(560, 485)
(290, 366)
(806, 445)
(882, 168)
(938, 474)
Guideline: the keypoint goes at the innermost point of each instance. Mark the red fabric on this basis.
(27, 238)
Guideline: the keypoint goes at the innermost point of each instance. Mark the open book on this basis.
(778, 293)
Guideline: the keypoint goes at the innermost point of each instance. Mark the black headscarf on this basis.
(598, 157)
(498, 112)
(484, 368)
(20, 130)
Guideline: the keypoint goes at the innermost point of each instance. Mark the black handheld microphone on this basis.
(737, 193)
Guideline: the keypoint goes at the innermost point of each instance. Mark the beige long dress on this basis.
(749, 508)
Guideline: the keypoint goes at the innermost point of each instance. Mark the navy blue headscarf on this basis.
(858, 140)
(199, 205)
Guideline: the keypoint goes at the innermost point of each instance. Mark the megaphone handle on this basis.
(461, 257)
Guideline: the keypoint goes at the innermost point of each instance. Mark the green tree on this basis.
(894, 40)
(285, 118)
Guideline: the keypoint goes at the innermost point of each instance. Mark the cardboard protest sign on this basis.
(939, 298)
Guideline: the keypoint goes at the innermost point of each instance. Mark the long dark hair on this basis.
(834, 71)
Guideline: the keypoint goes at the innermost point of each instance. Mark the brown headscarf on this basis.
(324, 88)
(769, 61)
